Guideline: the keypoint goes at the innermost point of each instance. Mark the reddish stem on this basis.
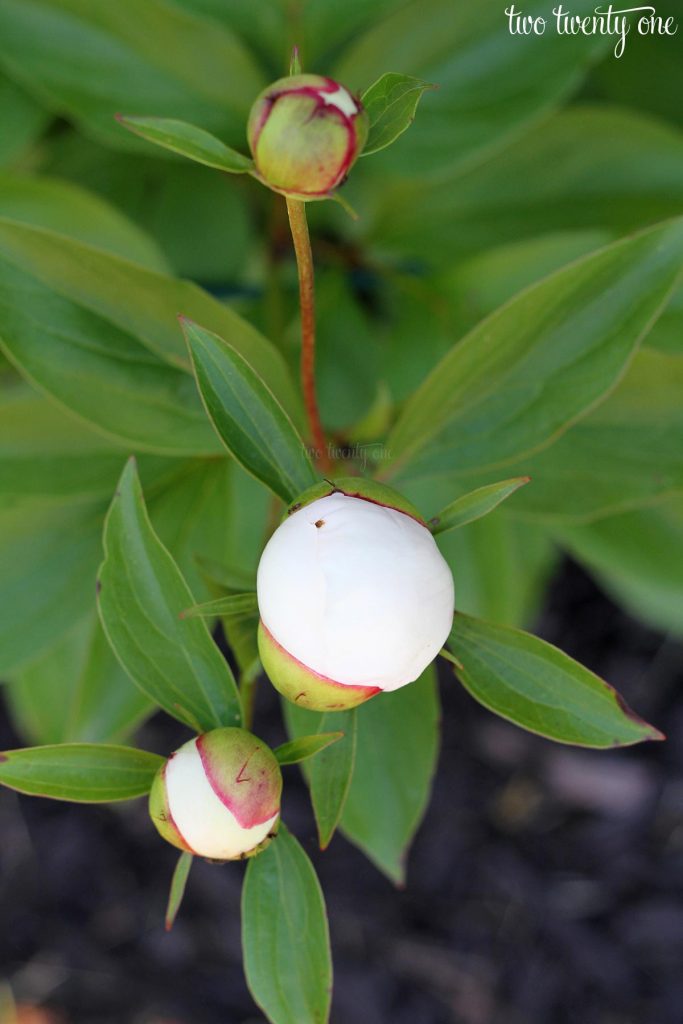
(296, 211)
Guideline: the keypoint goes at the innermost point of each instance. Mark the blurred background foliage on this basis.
(531, 153)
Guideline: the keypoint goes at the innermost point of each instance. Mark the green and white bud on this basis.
(218, 796)
(354, 596)
(305, 132)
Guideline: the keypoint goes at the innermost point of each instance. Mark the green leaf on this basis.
(188, 140)
(247, 417)
(397, 747)
(212, 511)
(492, 84)
(174, 661)
(22, 120)
(87, 60)
(48, 563)
(98, 372)
(200, 222)
(536, 365)
(329, 775)
(70, 210)
(391, 103)
(538, 687)
(95, 281)
(475, 505)
(76, 692)
(178, 883)
(637, 558)
(620, 172)
(628, 452)
(667, 333)
(301, 749)
(235, 604)
(285, 937)
(48, 456)
(82, 772)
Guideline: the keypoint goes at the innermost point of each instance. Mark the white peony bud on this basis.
(354, 596)
(218, 796)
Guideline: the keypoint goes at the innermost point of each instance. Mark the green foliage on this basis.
(489, 317)
(141, 596)
(284, 935)
(391, 103)
(88, 61)
(481, 406)
(188, 140)
(474, 505)
(177, 891)
(250, 422)
(330, 774)
(538, 687)
(301, 749)
(396, 751)
(638, 558)
(82, 772)
(76, 691)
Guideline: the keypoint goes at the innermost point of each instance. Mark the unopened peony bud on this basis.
(305, 133)
(354, 596)
(218, 796)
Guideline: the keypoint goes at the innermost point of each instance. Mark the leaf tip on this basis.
(651, 732)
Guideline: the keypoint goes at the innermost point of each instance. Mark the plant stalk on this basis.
(296, 211)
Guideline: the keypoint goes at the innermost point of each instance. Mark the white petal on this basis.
(204, 822)
(342, 99)
(366, 598)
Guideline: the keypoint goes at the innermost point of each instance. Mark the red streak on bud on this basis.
(247, 812)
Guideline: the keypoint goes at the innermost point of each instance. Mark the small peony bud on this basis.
(218, 796)
(354, 596)
(305, 133)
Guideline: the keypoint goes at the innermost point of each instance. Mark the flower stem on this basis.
(296, 211)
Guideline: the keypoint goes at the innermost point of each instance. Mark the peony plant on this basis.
(354, 593)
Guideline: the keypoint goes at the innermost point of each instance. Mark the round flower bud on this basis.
(354, 596)
(305, 133)
(218, 796)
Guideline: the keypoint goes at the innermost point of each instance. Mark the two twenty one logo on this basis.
(605, 21)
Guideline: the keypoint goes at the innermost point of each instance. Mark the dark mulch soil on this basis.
(544, 886)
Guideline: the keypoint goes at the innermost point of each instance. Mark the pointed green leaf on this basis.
(397, 748)
(81, 772)
(174, 661)
(301, 749)
(188, 140)
(285, 937)
(540, 362)
(247, 417)
(391, 103)
(329, 775)
(475, 505)
(235, 604)
(178, 883)
(538, 687)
